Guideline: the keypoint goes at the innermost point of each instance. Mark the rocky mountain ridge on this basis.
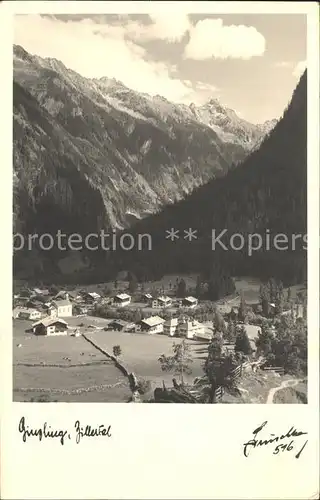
(75, 136)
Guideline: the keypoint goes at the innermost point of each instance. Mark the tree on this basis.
(289, 294)
(198, 287)
(265, 299)
(279, 302)
(242, 308)
(231, 332)
(218, 368)
(143, 386)
(115, 284)
(243, 342)
(233, 315)
(133, 283)
(218, 322)
(138, 315)
(290, 346)
(305, 312)
(179, 362)
(182, 288)
(116, 351)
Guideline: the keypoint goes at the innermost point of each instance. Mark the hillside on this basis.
(74, 136)
(267, 191)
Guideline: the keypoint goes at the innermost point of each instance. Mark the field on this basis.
(140, 353)
(67, 368)
(40, 368)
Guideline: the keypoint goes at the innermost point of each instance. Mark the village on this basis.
(131, 315)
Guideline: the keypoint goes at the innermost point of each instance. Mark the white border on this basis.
(159, 451)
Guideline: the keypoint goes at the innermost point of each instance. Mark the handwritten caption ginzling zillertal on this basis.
(77, 433)
(278, 443)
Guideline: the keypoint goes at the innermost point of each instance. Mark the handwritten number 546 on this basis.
(288, 447)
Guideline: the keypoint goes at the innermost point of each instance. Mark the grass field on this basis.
(40, 367)
(40, 364)
(140, 353)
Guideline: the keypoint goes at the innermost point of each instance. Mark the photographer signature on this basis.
(282, 442)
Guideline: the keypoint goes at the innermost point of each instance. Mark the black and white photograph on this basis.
(160, 208)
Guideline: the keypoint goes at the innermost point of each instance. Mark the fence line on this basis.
(234, 374)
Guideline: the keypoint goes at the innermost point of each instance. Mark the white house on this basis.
(63, 307)
(122, 300)
(154, 324)
(89, 297)
(191, 329)
(146, 297)
(26, 313)
(162, 301)
(39, 291)
(51, 311)
(50, 326)
(189, 302)
(170, 327)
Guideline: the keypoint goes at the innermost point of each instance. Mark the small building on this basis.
(90, 297)
(62, 295)
(191, 329)
(152, 325)
(146, 297)
(122, 300)
(26, 313)
(80, 310)
(50, 326)
(25, 293)
(170, 327)
(160, 302)
(189, 302)
(39, 291)
(63, 307)
(51, 311)
(117, 324)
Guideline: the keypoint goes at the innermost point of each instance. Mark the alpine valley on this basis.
(91, 153)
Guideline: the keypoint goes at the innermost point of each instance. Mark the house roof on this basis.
(123, 296)
(62, 293)
(118, 322)
(39, 291)
(147, 295)
(49, 321)
(164, 298)
(153, 321)
(25, 309)
(94, 295)
(62, 303)
(191, 299)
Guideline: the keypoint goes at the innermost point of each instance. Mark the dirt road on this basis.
(286, 383)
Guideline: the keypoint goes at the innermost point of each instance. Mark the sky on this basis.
(250, 62)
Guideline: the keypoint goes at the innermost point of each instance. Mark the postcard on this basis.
(160, 209)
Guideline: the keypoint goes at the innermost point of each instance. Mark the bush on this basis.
(143, 386)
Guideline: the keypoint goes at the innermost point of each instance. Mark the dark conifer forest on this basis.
(268, 191)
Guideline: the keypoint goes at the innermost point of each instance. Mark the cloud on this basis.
(210, 38)
(299, 68)
(283, 64)
(100, 49)
(164, 27)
